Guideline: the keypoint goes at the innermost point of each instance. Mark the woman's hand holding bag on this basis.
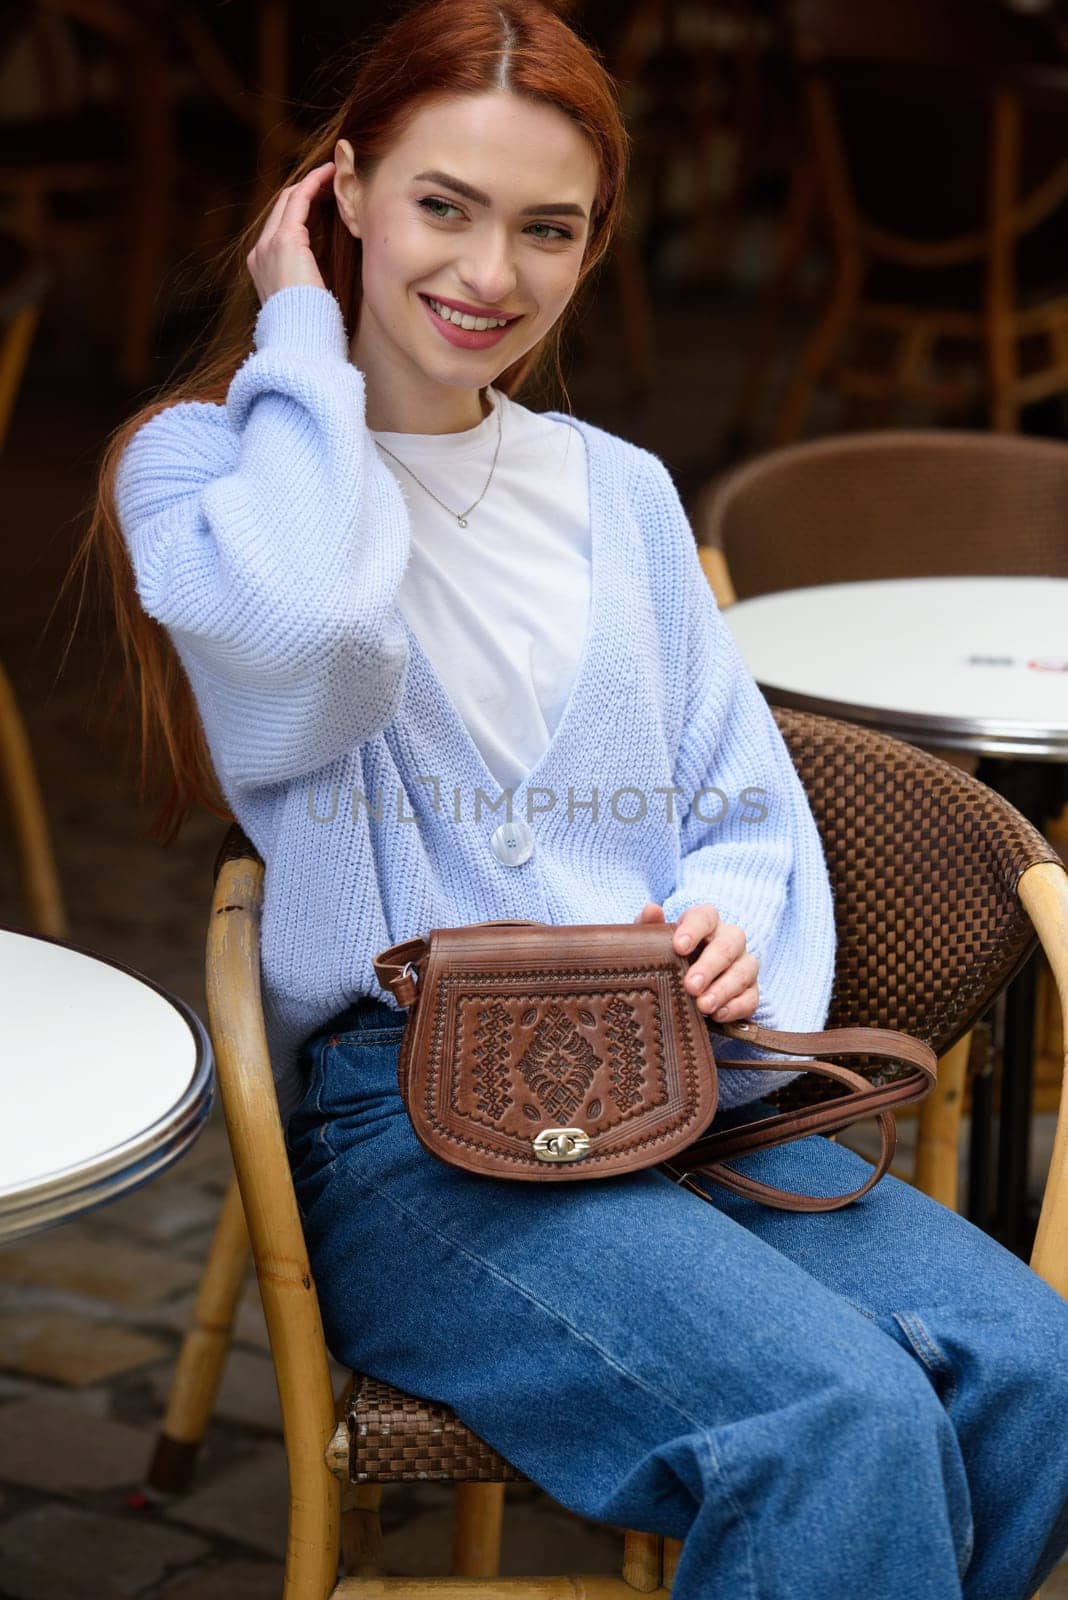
(554, 1053)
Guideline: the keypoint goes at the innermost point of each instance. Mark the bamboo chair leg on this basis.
(795, 232)
(14, 354)
(361, 1531)
(19, 778)
(1042, 891)
(937, 1170)
(642, 1560)
(1002, 348)
(672, 1552)
(818, 354)
(283, 1271)
(476, 1540)
(151, 214)
(204, 1350)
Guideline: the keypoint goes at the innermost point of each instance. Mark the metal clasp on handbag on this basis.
(562, 1144)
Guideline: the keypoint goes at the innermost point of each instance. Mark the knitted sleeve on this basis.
(748, 842)
(257, 543)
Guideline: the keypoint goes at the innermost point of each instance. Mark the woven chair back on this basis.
(893, 504)
(924, 861)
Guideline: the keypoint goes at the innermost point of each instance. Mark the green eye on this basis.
(436, 200)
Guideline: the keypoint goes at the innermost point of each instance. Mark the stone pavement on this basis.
(91, 1313)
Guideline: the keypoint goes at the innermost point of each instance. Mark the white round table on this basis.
(105, 1080)
(977, 664)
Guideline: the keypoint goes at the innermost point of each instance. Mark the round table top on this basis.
(105, 1079)
(964, 663)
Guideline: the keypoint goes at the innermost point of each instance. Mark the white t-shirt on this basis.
(500, 607)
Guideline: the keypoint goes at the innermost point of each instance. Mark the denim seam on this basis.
(721, 1474)
(375, 1035)
(928, 1351)
(583, 1338)
(936, 1360)
(321, 1130)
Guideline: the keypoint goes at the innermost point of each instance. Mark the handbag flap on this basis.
(556, 1052)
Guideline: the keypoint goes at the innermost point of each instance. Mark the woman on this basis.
(453, 659)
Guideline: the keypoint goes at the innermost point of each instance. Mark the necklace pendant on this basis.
(462, 521)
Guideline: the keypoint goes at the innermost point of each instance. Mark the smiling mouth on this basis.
(469, 322)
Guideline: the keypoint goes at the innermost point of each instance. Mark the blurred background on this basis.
(841, 216)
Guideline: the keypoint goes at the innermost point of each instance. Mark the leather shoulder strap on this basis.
(707, 1155)
(888, 1044)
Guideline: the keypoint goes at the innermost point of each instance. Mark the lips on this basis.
(465, 312)
(465, 338)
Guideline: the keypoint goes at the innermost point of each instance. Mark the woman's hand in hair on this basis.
(282, 255)
(724, 975)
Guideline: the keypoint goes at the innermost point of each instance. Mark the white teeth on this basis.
(464, 320)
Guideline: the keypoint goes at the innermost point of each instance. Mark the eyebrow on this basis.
(560, 208)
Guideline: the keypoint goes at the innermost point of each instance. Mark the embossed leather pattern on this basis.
(557, 1054)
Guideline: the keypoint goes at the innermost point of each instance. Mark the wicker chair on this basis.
(940, 889)
(937, 138)
(886, 504)
(892, 504)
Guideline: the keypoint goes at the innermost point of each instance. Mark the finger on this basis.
(650, 912)
(741, 1006)
(302, 195)
(728, 986)
(310, 181)
(718, 956)
(693, 926)
(273, 216)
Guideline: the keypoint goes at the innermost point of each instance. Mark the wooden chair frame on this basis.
(294, 1325)
(20, 314)
(998, 329)
(316, 1444)
(145, 175)
(18, 776)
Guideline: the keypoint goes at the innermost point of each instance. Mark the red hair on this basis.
(438, 46)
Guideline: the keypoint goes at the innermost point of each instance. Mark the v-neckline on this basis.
(445, 707)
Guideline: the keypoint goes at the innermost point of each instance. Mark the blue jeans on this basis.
(869, 1402)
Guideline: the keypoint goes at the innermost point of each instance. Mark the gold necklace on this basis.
(461, 516)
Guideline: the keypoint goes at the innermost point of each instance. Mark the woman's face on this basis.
(483, 202)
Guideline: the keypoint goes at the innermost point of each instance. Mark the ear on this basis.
(347, 188)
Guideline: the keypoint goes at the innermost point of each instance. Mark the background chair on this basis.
(145, 126)
(928, 963)
(936, 131)
(97, 123)
(24, 282)
(896, 504)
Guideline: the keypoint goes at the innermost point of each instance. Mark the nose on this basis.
(488, 271)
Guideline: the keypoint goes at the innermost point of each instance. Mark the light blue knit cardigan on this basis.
(268, 537)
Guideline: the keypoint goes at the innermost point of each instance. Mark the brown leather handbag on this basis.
(549, 1053)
